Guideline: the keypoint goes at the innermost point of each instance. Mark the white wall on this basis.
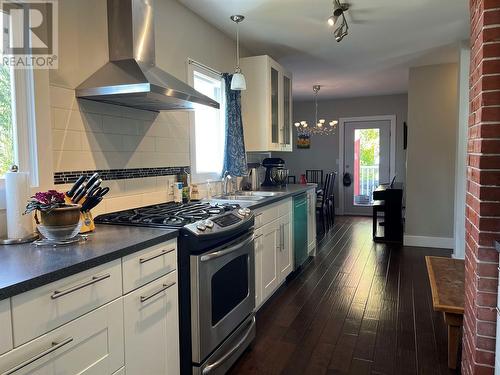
(87, 135)
(461, 152)
(430, 169)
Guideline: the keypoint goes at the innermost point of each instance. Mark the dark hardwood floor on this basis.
(356, 308)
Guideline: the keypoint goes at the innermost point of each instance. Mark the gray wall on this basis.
(432, 137)
(324, 151)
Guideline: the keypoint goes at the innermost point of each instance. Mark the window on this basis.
(207, 126)
(6, 120)
(6, 106)
(18, 139)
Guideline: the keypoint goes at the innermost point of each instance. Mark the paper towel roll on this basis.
(17, 195)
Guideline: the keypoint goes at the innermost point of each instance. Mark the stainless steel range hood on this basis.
(131, 78)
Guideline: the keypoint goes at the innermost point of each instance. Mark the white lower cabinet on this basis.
(285, 255)
(269, 254)
(273, 250)
(152, 328)
(91, 344)
(5, 326)
(42, 309)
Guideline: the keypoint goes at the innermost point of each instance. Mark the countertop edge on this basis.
(36, 282)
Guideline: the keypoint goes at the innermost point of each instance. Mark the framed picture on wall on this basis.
(303, 141)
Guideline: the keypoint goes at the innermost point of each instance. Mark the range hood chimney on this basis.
(131, 78)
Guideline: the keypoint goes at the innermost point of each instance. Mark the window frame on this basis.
(24, 123)
(192, 67)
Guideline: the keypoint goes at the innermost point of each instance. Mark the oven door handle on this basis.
(209, 368)
(228, 250)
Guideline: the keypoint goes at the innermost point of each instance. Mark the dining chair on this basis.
(332, 197)
(322, 208)
(315, 176)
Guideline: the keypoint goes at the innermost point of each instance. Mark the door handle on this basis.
(225, 251)
(220, 361)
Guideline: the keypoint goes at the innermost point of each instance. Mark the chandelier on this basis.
(320, 126)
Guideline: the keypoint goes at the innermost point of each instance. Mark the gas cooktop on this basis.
(167, 215)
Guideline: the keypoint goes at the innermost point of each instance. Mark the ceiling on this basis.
(386, 37)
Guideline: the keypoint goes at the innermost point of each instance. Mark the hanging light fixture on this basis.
(238, 82)
(320, 126)
(338, 14)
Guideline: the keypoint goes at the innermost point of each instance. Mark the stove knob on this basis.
(247, 210)
(208, 223)
(242, 212)
(201, 227)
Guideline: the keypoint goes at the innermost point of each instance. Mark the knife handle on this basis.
(75, 186)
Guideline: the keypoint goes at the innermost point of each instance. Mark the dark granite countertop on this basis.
(26, 267)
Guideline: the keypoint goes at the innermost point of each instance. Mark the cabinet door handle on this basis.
(93, 280)
(154, 256)
(282, 236)
(164, 287)
(53, 348)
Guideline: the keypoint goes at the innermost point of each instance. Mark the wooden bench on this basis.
(446, 276)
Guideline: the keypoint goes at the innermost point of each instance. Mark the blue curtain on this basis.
(235, 158)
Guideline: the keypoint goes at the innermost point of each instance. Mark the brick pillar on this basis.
(483, 190)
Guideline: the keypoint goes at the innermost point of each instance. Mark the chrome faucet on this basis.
(226, 177)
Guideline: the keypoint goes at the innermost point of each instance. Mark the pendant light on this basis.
(238, 82)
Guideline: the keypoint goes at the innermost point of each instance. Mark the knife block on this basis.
(85, 217)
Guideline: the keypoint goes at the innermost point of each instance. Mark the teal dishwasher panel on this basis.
(300, 230)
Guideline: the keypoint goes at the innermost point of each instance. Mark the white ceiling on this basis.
(386, 37)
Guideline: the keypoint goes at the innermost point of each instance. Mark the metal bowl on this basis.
(280, 176)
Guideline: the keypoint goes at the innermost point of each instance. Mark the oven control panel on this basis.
(219, 223)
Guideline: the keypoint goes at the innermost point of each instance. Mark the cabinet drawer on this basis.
(147, 265)
(5, 326)
(152, 328)
(268, 215)
(41, 310)
(91, 344)
(285, 208)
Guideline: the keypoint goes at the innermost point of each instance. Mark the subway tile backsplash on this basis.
(118, 174)
(137, 153)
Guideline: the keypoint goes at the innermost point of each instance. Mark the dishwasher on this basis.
(300, 230)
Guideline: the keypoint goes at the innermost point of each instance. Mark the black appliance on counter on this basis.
(216, 278)
(276, 174)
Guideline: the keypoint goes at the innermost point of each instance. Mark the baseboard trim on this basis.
(435, 242)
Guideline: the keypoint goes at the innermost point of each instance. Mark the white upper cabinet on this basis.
(266, 105)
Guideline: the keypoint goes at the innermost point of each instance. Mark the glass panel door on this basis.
(366, 165)
(274, 106)
(366, 161)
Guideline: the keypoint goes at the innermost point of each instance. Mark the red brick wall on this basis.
(483, 190)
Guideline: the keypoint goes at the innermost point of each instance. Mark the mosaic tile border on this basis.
(118, 174)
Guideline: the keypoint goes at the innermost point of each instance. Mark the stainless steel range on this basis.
(216, 278)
